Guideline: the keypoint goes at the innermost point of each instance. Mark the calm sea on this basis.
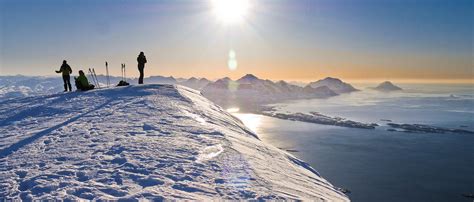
(379, 165)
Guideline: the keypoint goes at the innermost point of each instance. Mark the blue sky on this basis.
(280, 39)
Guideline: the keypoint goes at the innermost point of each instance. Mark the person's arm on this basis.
(70, 69)
(144, 59)
(60, 70)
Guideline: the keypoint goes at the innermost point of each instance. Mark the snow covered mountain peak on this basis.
(387, 86)
(248, 78)
(250, 91)
(226, 79)
(194, 79)
(334, 84)
(331, 79)
(142, 142)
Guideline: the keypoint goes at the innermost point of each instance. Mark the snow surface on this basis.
(22, 86)
(142, 142)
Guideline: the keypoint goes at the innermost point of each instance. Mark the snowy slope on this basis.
(22, 86)
(142, 142)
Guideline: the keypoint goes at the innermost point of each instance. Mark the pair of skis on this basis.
(94, 77)
(124, 75)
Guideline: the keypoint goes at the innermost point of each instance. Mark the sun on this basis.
(230, 11)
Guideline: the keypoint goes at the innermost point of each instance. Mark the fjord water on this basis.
(380, 165)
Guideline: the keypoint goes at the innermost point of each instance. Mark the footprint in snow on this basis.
(148, 182)
(147, 127)
(114, 192)
(62, 158)
(21, 173)
(189, 189)
(119, 160)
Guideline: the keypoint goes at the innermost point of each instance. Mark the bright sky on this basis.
(274, 39)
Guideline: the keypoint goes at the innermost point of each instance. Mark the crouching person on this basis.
(82, 83)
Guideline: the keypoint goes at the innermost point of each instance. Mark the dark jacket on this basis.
(141, 59)
(65, 69)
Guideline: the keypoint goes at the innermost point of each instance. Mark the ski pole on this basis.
(92, 76)
(96, 78)
(95, 75)
(124, 72)
(107, 72)
(121, 68)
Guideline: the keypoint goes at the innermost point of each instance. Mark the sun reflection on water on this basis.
(233, 110)
(252, 121)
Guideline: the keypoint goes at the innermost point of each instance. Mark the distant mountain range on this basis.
(334, 84)
(252, 91)
(195, 83)
(246, 91)
(20, 86)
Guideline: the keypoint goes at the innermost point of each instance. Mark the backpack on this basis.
(123, 83)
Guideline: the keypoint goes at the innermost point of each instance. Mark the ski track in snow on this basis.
(142, 142)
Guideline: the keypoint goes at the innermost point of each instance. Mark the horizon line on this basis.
(349, 80)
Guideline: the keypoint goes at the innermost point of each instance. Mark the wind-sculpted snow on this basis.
(142, 142)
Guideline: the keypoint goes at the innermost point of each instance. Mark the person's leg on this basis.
(78, 84)
(65, 83)
(68, 79)
(140, 80)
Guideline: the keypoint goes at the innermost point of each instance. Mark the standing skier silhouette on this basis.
(66, 72)
(141, 59)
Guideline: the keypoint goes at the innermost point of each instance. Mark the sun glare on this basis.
(230, 11)
(252, 121)
(232, 62)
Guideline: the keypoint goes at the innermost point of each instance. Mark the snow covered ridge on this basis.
(21, 86)
(142, 142)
